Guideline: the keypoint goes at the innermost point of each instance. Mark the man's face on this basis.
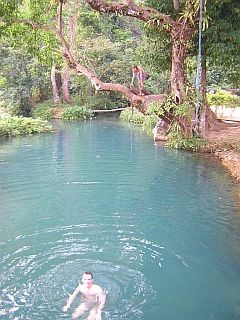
(87, 280)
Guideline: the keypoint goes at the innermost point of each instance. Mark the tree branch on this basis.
(129, 8)
(135, 100)
(60, 15)
(176, 5)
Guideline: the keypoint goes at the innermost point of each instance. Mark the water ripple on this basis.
(44, 296)
(158, 228)
(51, 267)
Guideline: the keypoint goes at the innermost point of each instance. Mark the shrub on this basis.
(44, 110)
(147, 122)
(191, 144)
(12, 126)
(67, 111)
(132, 115)
(223, 98)
(104, 101)
(177, 141)
(73, 113)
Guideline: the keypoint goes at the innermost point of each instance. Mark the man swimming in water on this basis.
(93, 299)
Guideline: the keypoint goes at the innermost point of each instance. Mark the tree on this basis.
(224, 31)
(178, 20)
(23, 80)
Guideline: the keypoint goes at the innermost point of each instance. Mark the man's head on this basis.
(87, 279)
(134, 67)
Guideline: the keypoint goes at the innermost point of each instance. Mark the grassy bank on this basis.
(148, 122)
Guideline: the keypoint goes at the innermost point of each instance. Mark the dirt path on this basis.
(229, 135)
(225, 144)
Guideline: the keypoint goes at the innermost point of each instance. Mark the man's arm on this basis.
(141, 76)
(101, 300)
(71, 298)
(132, 79)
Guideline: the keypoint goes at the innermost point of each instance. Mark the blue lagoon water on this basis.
(159, 228)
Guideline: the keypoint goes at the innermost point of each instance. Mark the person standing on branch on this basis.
(141, 75)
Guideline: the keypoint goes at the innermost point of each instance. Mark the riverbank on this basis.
(231, 159)
(225, 145)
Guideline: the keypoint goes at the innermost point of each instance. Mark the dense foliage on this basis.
(13, 126)
(105, 44)
(221, 25)
(23, 81)
(74, 113)
(223, 98)
(147, 122)
(224, 31)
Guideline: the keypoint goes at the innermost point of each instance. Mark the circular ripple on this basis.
(39, 270)
(127, 292)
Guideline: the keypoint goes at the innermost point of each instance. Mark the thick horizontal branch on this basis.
(129, 8)
(135, 100)
(106, 86)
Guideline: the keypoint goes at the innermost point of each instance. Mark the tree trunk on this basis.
(56, 97)
(65, 80)
(180, 34)
(65, 71)
(179, 53)
(208, 119)
(204, 96)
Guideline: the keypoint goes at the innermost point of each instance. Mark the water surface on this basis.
(159, 228)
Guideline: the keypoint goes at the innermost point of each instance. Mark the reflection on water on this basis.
(158, 228)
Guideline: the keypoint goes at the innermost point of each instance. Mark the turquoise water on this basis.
(159, 228)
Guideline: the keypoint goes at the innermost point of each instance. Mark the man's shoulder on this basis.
(97, 288)
(80, 287)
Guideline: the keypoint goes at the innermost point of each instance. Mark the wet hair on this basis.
(89, 273)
